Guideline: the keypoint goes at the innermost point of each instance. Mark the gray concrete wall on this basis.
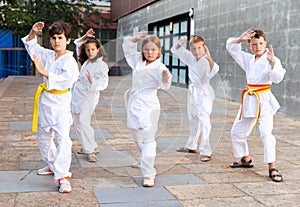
(219, 19)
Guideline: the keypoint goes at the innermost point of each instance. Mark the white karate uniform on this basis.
(143, 108)
(257, 72)
(200, 98)
(54, 114)
(86, 97)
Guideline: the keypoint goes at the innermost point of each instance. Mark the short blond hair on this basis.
(197, 38)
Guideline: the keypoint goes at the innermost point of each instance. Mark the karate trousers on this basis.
(200, 125)
(57, 157)
(83, 128)
(241, 129)
(145, 141)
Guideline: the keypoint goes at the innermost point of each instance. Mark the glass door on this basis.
(169, 31)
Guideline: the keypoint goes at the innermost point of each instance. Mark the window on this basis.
(169, 31)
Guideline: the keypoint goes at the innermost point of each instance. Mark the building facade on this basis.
(216, 21)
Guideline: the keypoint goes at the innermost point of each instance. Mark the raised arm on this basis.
(234, 47)
(89, 34)
(181, 42)
(130, 48)
(245, 36)
(181, 52)
(36, 28)
(209, 58)
(141, 35)
(271, 56)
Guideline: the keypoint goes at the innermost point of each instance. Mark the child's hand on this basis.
(165, 76)
(208, 57)
(247, 35)
(207, 52)
(90, 33)
(39, 66)
(270, 56)
(38, 27)
(181, 41)
(141, 35)
(89, 76)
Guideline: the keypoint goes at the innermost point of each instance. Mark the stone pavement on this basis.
(182, 179)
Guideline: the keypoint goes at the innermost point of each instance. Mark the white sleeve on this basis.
(100, 78)
(33, 48)
(78, 45)
(130, 52)
(183, 54)
(65, 79)
(212, 72)
(235, 50)
(277, 73)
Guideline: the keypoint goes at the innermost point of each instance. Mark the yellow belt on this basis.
(254, 89)
(42, 87)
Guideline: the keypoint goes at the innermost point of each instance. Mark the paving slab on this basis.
(172, 179)
(25, 181)
(173, 203)
(205, 168)
(10, 176)
(20, 125)
(270, 188)
(113, 182)
(239, 201)
(280, 200)
(229, 176)
(175, 116)
(170, 142)
(100, 133)
(26, 125)
(135, 197)
(116, 110)
(107, 159)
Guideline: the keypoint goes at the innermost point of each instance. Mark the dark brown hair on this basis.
(60, 28)
(83, 56)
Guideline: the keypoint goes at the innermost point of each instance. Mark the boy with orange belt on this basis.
(259, 105)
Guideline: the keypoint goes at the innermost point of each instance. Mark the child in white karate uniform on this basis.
(202, 68)
(93, 78)
(143, 108)
(259, 105)
(59, 70)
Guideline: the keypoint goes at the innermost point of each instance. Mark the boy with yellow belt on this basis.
(52, 115)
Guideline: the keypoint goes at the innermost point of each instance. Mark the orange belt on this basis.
(254, 89)
(42, 87)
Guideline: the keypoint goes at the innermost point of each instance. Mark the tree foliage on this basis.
(19, 15)
(14, 16)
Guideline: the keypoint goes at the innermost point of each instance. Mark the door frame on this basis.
(153, 28)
